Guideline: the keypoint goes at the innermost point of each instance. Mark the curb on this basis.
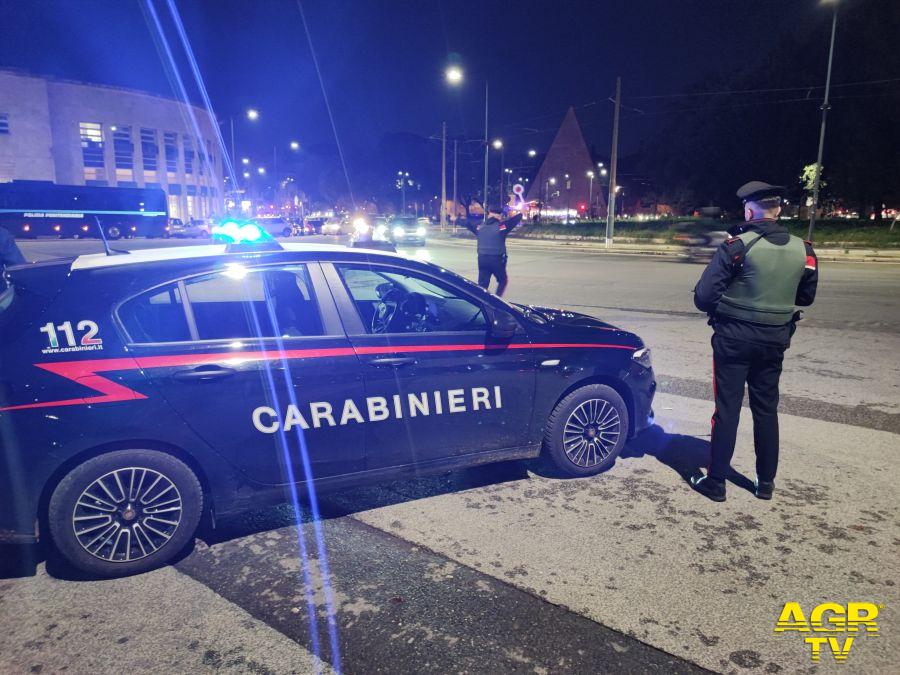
(664, 250)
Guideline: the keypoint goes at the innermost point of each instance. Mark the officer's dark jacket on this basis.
(492, 234)
(727, 266)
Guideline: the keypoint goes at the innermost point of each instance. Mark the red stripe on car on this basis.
(85, 372)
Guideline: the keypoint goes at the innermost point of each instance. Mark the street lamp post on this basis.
(825, 107)
(454, 75)
(403, 177)
(497, 144)
(590, 175)
(568, 187)
(486, 152)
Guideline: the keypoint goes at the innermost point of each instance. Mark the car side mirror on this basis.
(501, 324)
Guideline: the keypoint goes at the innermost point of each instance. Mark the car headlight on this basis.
(360, 225)
(420, 231)
(642, 356)
(399, 231)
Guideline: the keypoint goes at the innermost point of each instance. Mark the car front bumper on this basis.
(641, 383)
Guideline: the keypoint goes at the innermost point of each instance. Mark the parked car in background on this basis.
(193, 228)
(314, 225)
(277, 226)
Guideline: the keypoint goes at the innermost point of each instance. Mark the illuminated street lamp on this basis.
(246, 174)
(295, 146)
(497, 144)
(261, 170)
(454, 75)
(532, 152)
(252, 114)
(245, 161)
(603, 172)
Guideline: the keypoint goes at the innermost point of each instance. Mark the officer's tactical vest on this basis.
(491, 240)
(765, 289)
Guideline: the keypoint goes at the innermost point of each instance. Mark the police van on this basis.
(143, 391)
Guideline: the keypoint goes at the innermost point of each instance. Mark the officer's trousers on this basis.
(734, 363)
(492, 265)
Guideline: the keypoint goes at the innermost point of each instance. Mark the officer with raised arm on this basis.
(491, 236)
(751, 290)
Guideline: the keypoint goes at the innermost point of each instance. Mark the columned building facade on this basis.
(75, 133)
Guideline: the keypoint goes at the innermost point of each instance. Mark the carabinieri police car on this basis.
(143, 391)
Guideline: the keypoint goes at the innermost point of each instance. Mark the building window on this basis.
(4, 123)
(188, 156)
(92, 151)
(174, 207)
(170, 142)
(150, 154)
(123, 154)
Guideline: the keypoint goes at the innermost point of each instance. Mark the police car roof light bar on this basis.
(244, 237)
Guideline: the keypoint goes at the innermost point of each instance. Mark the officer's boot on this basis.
(709, 487)
(764, 488)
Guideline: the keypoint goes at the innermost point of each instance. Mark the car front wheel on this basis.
(125, 512)
(586, 431)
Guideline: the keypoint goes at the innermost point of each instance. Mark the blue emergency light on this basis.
(244, 235)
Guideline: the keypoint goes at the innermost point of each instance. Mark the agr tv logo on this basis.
(830, 617)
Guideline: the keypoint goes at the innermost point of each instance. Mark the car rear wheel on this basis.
(125, 512)
(587, 430)
(286, 232)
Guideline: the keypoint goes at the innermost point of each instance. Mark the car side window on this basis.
(233, 304)
(156, 316)
(240, 303)
(391, 301)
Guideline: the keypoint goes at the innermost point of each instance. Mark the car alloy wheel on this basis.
(127, 514)
(591, 432)
(586, 431)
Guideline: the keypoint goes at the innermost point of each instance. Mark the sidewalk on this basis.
(628, 246)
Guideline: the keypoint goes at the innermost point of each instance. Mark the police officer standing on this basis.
(491, 236)
(750, 290)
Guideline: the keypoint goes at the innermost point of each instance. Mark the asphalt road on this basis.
(502, 569)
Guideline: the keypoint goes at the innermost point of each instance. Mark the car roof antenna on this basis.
(106, 248)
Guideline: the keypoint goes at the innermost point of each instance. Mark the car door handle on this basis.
(203, 373)
(393, 361)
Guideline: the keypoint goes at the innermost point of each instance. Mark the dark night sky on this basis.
(382, 62)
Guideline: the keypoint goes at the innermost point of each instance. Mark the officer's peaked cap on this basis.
(756, 190)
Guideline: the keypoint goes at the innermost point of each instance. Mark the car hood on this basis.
(583, 326)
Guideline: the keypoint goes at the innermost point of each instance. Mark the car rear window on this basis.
(156, 316)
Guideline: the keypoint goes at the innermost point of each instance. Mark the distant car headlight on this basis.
(360, 225)
(642, 356)
(420, 231)
(399, 231)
